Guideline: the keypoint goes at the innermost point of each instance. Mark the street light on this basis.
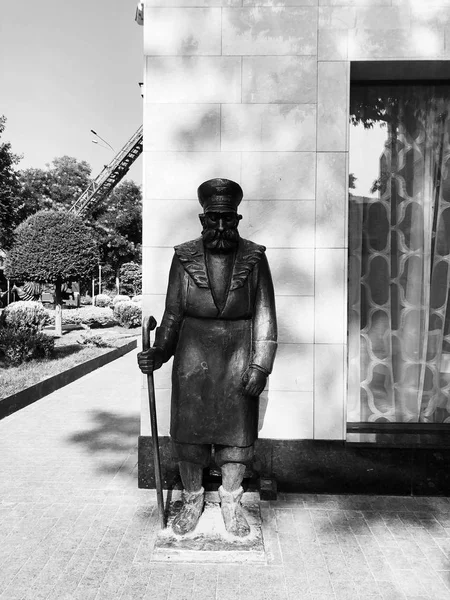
(100, 138)
(99, 144)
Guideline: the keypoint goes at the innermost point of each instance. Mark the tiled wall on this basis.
(258, 91)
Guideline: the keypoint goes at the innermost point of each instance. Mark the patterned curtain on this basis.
(399, 260)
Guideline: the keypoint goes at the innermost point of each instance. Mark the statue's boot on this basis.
(232, 513)
(187, 519)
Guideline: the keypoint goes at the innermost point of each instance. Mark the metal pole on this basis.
(93, 290)
(99, 279)
(148, 324)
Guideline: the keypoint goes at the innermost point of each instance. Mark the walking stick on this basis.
(148, 324)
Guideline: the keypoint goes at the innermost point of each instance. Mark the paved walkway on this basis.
(73, 524)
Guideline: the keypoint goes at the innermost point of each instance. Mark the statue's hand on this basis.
(150, 360)
(254, 381)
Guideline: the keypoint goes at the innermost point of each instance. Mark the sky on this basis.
(366, 147)
(67, 67)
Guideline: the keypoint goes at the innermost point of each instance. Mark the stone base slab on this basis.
(210, 542)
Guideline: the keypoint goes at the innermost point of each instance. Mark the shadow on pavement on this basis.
(114, 438)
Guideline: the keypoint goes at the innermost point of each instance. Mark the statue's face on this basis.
(220, 230)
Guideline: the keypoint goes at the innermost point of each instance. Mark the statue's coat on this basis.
(214, 346)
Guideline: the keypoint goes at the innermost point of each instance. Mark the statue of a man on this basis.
(220, 325)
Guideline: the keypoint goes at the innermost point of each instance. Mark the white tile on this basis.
(355, 2)
(422, 42)
(332, 199)
(182, 31)
(382, 18)
(268, 127)
(330, 299)
(430, 4)
(437, 16)
(341, 17)
(279, 79)
(170, 222)
(295, 319)
(333, 44)
(179, 127)
(293, 370)
(280, 2)
(156, 266)
(329, 398)
(278, 175)
(292, 271)
(333, 100)
(177, 175)
(194, 3)
(269, 31)
(282, 223)
(287, 416)
(153, 305)
(193, 79)
(162, 412)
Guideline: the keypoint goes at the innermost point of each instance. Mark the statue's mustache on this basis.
(210, 235)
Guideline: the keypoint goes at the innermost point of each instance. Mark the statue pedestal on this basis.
(210, 541)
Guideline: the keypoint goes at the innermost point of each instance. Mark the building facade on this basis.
(259, 91)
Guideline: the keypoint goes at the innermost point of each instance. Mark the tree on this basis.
(9, 190)
(55, 187)
(68, 179)
(117, 221)
(52, 247)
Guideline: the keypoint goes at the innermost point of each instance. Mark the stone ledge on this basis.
(322, 467)
(13, 403)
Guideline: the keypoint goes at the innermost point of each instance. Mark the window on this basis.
(399, 252)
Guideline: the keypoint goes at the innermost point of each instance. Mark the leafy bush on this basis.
(129, 314)
(120, 298)
(136, 298)
(131, 278)
(20, 345)
(84, 300)
(102, 300)
(96, 317)
(25, 315)
(88, 339)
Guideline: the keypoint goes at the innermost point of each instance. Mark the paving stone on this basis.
(74, 525)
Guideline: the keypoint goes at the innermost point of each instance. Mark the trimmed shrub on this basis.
(85, 300)
(120, 298)
(20, 345)
(52, 247)
(25, 315)
(129, 314)
(136, 298)
(94, 317)
(97, 317)
(102, 300)
(131, 278)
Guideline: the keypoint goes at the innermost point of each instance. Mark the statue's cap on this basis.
(220, 195)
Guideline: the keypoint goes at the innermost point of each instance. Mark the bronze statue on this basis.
(220, 325)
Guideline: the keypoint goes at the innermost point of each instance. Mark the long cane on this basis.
(149, 323)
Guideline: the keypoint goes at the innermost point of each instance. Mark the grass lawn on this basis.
(68, 353)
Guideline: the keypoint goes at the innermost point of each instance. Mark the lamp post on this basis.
(100, 138)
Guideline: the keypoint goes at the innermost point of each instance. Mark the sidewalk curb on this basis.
(13, 403)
